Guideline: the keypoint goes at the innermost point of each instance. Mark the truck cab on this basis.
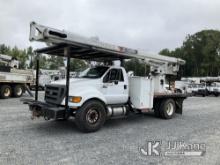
(108, 84)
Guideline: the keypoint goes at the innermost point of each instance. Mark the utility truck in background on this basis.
(13, 81)
(214, 89)
(104, 91)
(212, 85)
(46, 77)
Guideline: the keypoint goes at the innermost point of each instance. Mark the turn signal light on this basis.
(75, 99)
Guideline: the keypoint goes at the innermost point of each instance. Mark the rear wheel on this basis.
(5, 91)
(18, 90)
(91, 116)
(167, 108)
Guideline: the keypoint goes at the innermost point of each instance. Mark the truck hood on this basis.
(76, 83)
(84, 87)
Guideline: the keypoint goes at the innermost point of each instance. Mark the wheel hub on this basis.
(7, 92)
(170, 109)
(19, 91)
(92, 116)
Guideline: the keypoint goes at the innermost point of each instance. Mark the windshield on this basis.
(96, 72)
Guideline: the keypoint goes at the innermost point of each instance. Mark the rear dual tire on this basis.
(7, 91)
(165, 109)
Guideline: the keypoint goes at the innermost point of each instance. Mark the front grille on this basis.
(54, 93)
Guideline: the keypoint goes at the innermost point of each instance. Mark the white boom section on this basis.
(53, 36)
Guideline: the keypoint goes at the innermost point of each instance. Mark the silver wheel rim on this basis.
(19, 91)
(92, 116)
(170, 109)
(7, 92)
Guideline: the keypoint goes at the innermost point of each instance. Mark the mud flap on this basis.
(179, 106)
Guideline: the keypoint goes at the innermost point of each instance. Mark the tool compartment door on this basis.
(141, 92)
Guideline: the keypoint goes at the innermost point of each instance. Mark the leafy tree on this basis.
(30, 54)
(138, 66)
(4, 49)
(55, 62)
(77, 65)
(165, 52)
(201, 52)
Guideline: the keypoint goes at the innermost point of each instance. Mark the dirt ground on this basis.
(26, 141)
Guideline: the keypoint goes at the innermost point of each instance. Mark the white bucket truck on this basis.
(103, 92)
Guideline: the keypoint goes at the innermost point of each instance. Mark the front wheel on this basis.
(91, 116)
(167, 108)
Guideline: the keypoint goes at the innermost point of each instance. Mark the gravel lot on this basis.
(26, 141)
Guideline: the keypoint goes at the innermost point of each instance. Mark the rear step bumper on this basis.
(42, 109)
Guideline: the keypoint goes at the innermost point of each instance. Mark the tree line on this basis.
(200, 50)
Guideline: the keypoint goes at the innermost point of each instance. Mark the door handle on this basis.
(125, 87)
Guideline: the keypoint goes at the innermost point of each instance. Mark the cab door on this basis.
(114, 88)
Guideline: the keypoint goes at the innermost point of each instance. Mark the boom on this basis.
(54, 37)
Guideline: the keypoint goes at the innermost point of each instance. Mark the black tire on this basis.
(18, 90)
(5, 91)
(216, 94)
(91, 116)
(167, 108)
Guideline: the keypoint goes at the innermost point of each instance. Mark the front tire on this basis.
(91, 116)
(167, 108)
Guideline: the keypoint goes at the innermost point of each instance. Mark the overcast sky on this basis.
(145, 24)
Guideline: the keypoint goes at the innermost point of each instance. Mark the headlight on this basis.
(75, 99)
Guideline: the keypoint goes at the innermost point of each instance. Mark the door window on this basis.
(114, 75)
